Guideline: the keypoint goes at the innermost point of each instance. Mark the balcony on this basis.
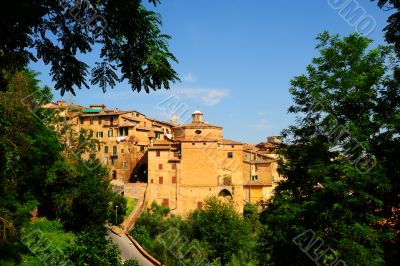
(110, 123)
(174, 157)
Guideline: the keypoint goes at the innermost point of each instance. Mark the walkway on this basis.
(128, 249)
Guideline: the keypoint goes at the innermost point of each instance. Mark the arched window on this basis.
(225, 194)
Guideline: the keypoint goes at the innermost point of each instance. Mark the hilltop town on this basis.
(176, 165)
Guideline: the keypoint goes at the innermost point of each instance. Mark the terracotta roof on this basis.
(163, 142)
(106, 113)
(198, 125)
(230, 142)
(249, 147)
(160, 121)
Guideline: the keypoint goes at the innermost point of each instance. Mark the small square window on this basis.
(160, 180)
(160, 166)
(165, 203)
(158, 153)
(230, 154)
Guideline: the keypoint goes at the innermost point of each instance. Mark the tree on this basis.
(92, 248)
(392, 30)
(222, 228)
(120, 211)
(387, 145)
(335, 187)
(126, 35)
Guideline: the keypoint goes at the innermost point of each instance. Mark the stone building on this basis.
(178, 166)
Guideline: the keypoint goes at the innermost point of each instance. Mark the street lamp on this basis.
(116, 214)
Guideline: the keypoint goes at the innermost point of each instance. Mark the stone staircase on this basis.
(137, 191)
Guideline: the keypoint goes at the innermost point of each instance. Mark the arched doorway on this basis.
(225, 194)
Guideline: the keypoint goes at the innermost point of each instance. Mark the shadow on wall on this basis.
(140, 172)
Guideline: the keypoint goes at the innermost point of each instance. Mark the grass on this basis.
(131, 203)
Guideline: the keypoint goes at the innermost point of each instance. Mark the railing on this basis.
(174, 157)
(110, 124)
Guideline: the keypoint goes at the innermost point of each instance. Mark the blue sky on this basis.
(236, 59)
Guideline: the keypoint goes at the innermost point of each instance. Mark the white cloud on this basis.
(207, 96)
(189, 77)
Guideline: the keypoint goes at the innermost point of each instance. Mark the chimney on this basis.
(61, 103)
(97, 106)
(197, 117)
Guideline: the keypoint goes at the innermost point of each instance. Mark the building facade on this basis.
(178, 166)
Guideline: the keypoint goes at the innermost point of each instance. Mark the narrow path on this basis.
(128, 249)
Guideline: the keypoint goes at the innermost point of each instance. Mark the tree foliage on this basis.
(336, 183)
(124, 34)
(38, 178)
(216, 234)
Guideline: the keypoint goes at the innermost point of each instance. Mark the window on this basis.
(198, 132)
(230, 154)
(174, 166)
(110, 133)
(114, 174)
(124, 165)
(165, 202)
(160, 166)
(199, 205)
(114, 150)
(113, 160)
(81, 120)
(157, 135)
(254, 177)
(174, 180)
(192, 143)
(144, 123)
(100, 134)
(111, 121)
(160, 180)
(122, 150)
(142, 148)
(106, 160)
(91, 133)
(105, 149)
(100, 120)
(176, 154)
(158, 153)
(91, 120)
(123, 131)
